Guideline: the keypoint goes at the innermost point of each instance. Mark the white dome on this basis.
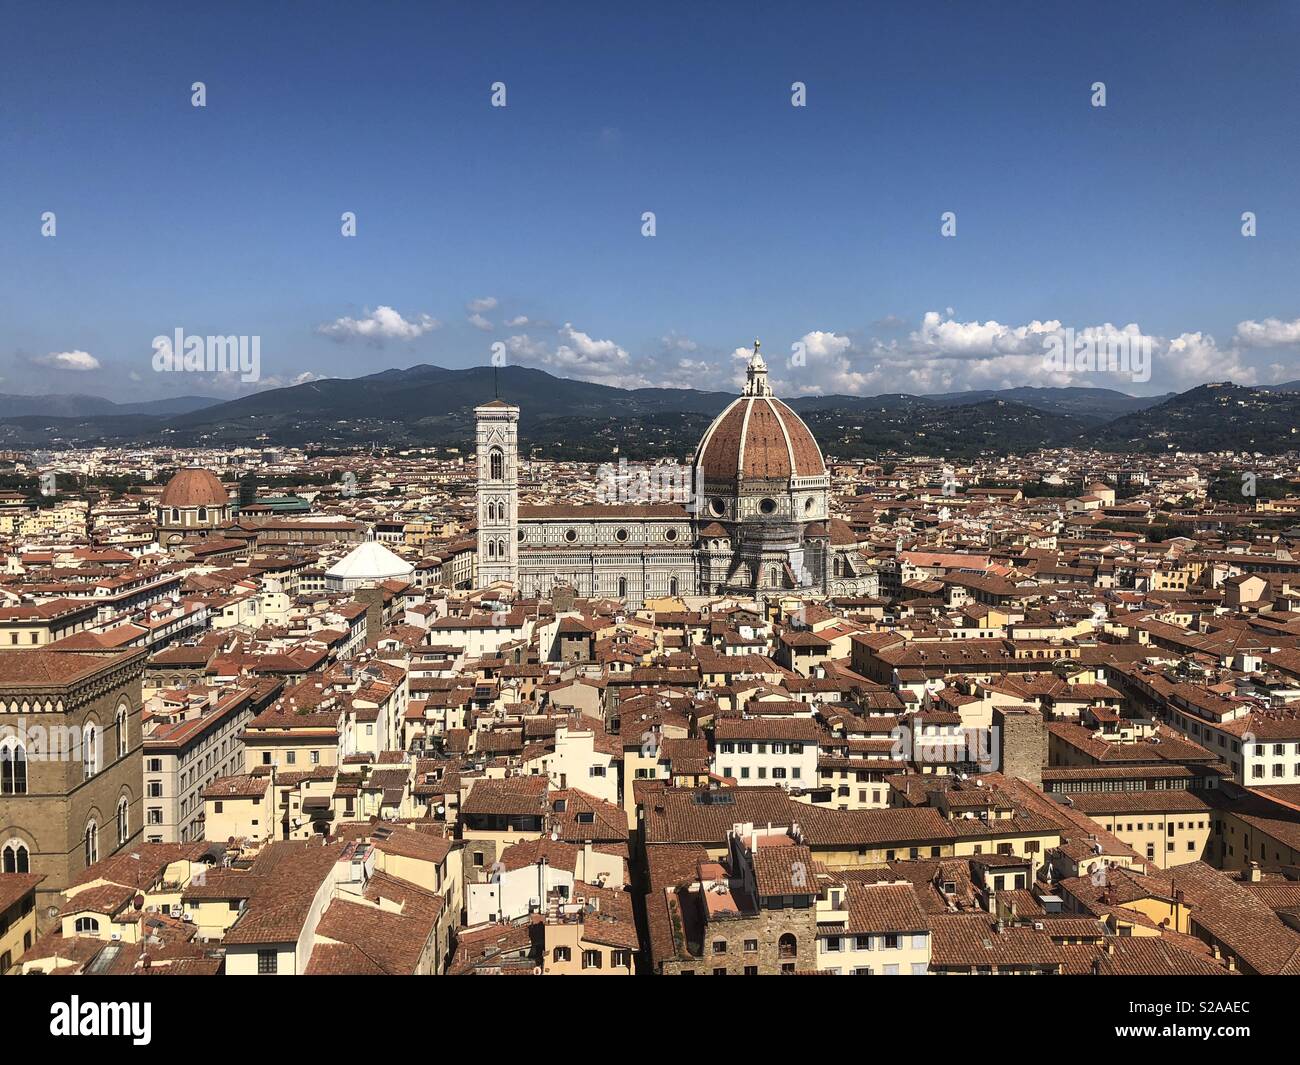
(369, 561)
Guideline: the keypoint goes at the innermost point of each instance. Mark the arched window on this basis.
(87, 924)
(92, 844)
(13, 768)
(501, 548)
(496, 464)
(773, 576)
(491, 549)
(622, 587)
(123, 833)
(491, 512)
(787, 946)
(176, 516)
(14, 858)
(672, 585)
(90, 751)
(123, 744)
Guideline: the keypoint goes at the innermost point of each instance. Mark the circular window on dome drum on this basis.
(717, 507)
(808, 505)
(520, 536)
(670, 534)
(767, 506)
(570, 535)
(621, 535)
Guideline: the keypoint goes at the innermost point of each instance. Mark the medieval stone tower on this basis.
(497, 438)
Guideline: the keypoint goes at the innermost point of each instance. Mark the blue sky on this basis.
(818, 225)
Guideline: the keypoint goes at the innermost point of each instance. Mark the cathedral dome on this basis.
(758, 438)
(194, 487)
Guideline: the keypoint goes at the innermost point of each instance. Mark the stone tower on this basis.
(1022, 743)
(497, 441)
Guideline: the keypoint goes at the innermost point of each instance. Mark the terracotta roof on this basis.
(39, 669)
(758, 437)
(13, 886)
(194, 487)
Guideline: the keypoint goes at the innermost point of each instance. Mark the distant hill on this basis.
(435, 400)
(1211, 417)
(1096, 404)
(1103, 403)
(563, 418)
(79, 406)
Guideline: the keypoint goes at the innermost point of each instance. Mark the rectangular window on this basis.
(268, 962)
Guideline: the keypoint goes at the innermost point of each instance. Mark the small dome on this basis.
(194, 487)
(370, 561)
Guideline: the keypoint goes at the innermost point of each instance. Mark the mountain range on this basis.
(564, 418)
(75, 405)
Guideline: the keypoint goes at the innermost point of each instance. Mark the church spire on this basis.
(756, 375)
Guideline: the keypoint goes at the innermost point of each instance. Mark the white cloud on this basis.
(68, 360)
(383, 323)
(476, 309)
(517, 321)
(1270, 333)
(945, 337)
(578, 355)
(1194, 358)
(677, 342)
(942, 354)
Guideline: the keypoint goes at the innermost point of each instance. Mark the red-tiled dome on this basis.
(758, 437)
(194, 487)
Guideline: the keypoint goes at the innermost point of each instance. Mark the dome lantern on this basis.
(756, 375)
